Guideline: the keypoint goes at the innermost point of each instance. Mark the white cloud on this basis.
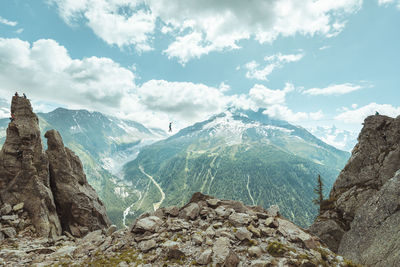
(264, 97)
(324, 47)
(44, 70)
(117, 22)
(274, 61)
(8, 22)
(182, 100)
(387, 2)
(336, 89)
(274, 102)
(200, 27)
(284, 113)
(50, 77)
(357, 116)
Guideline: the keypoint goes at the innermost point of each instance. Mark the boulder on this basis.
(232, 260)
(78, 206)
(205, 257)
(150, 224)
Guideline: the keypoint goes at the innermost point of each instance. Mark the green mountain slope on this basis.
(240, 155)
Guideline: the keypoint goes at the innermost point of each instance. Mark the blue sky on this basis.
(309, 62)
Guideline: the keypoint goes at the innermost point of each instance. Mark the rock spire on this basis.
(51, 185)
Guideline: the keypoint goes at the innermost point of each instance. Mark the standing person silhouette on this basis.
(170, 127)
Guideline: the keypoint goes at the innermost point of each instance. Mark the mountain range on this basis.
(241, 155)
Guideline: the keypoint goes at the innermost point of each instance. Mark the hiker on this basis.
(170, 127)
(376, 113)
(12, 118)
(16, 94)
(24, 95)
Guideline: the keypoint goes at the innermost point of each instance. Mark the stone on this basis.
(111, 230)
(213, 202)
(232, 260)
(197, 239)
(19, 206)
(222, 212)
(205, 257)
(273, 210)
(78, 204)
(145, 246)
(210, 231)
(254, 230)
(243, 234)
(175, 254)
(9, 217)
(221, 249)
(255, 251)
(9, 232)
(169, 244)
(271, 222)
(260, 263)
(239, 219)
(172, 211)
(2, 237)
(191, 211)
(150, 224)
(6, 209)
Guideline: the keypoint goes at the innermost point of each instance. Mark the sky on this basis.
(311, 62)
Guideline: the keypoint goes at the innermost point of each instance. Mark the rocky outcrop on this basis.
(78, 205)
(360, 219)
(55, 196)
(24, 175)
(184, 238)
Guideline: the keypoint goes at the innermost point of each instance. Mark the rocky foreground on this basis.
(206, 231)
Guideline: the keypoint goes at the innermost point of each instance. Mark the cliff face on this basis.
(24, 175)
(361, 218)
(27, 177)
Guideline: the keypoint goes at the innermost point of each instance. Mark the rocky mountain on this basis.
(361, 218)
(50, 186)
(341, 139)
(241, 155)
(205, 232)
(104, 144)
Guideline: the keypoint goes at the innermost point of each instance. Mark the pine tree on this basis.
(319, 191)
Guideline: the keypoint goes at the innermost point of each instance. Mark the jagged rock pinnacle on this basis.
(52, 186)
(77, 202)
(24, 173)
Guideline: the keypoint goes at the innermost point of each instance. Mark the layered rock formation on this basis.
(25, 177)
(361, 218)
(77, 202)
(205, 232)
